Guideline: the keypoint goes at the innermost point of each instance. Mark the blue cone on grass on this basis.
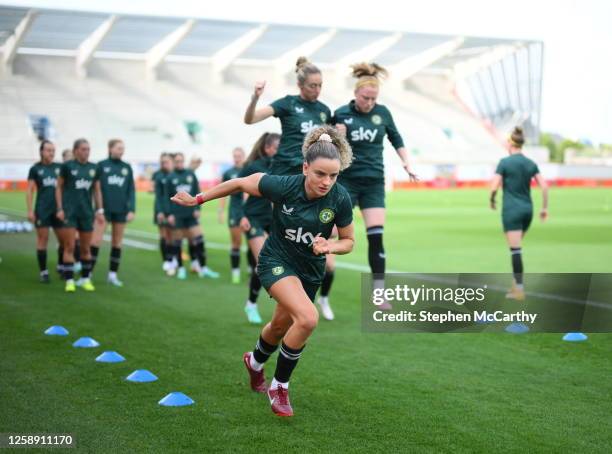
(575, 337)
(110, 357)
(86, 342)
(56, 330)
(141, 376)
(517, 328)
(176, 399)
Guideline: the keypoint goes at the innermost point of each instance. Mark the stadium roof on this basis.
(63, 32)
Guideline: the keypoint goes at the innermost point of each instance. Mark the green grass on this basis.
(352, 391)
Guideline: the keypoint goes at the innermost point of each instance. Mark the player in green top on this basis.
(185, 220)
(76, 186)
(160, 211)
(365, 124)
(257, 216)
(42, 178)
(234, 214)
(515, 173)
(298, 114)
(119, 199)
(292, 262)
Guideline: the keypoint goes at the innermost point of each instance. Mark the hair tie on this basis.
(324, 137)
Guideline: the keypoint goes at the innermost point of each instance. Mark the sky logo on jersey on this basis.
(82, 183)
(363, 135)
(116, 180)
(49, 181)
(183, 187)
(299, 236)
(287, 211)
(307, 126)
(299, 109)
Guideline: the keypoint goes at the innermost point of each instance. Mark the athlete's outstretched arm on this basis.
(495, 185)
(249, 184)
(253, 115)
(544, 187)
(343, 245)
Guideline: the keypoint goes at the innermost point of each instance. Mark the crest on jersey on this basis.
(92, 173)
(74, 172)
(348, 121)
(57, 171)
(376, 119)
(124, 171)
(175, 181)
(278, 270)
(299, 109)
(323, 116)
(189, 179)
(41, 171)
(106, 169)
(326, 215)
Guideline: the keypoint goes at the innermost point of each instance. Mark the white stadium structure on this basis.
(143, 78)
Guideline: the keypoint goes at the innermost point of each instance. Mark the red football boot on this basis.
(258, 379)
(279, 401)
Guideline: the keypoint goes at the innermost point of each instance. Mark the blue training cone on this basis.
(141, 376)
(176, 399)
(110, 357)
(517, 328)
(86, 342)
(575, 337)
(56, 330)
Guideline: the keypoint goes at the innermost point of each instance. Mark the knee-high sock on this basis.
(517, 264)
(199, 249)
(115, 259)
(41, 256)
(235, 258)
(327, 282)
(376, 251)
(178, 252)
(94, 250)
(254, 287)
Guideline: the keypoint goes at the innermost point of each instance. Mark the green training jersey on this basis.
(182, 180)
(517, 170)
(365, 133)
(162, 199)
(45, 177)
(78, 188)
(297, 220)
(298, 117)
(257, 207)
(235, 204)
(117, 184)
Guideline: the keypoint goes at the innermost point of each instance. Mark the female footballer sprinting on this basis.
(515, 173)
(292, 261)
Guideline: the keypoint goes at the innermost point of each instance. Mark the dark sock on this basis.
(178, 253)
(193, 252)
(68, 270)
(517, 264)
(254, 287)
(200, 250)
(60, 259)
(327, 282)
(115, 259)
(41, 255)
(376, 251)
(94, 250)
(86, 268)
(263, 350)
(235, 258)
(77, 251)
(162, 248)
(286, 362)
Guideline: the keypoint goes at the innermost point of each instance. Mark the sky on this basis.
(577, 36)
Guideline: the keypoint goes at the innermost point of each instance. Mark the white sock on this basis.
(112, 275)
(519, 286)
(254, 364)
(323, 300)
(275, 384)
(236, 271)
(69, 281)
(250, 304)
